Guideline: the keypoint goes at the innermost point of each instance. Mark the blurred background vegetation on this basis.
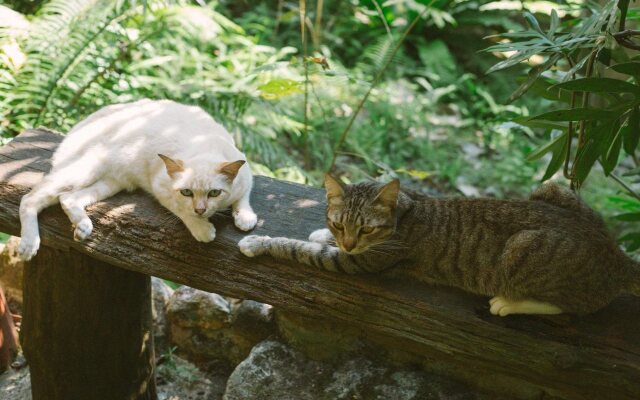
(461, 95)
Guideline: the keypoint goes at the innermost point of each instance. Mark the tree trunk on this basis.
(86, 331)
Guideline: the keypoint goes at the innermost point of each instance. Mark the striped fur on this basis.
(551, 249)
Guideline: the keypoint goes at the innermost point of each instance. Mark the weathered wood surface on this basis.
(596, 356)
(87, 329)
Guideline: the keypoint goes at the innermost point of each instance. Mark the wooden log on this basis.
(87, 329)
(565, 356)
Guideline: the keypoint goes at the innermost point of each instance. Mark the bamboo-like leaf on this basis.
(599, 85)
(609, 159)
(553, 144)
(576, 114)
(557, 159)
(631, 217)
(631, 132)
(627, 68)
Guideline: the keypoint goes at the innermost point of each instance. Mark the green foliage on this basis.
(434, 118)
(599, 120)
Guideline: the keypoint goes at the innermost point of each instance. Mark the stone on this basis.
(206, 326)
(160, 293)
(11, 269)
(274, 370)
(178, 379)
(15, 384)
(319, 338)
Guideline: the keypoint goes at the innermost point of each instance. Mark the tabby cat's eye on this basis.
(186, 192)
(215, 193)
(367, 229)
(338, 226)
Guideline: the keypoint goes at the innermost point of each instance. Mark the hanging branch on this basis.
(376, 80)
(305, 134)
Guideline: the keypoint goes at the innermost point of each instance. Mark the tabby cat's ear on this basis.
(388, 194)
(334, 188)
(173, 166)
(230, 169)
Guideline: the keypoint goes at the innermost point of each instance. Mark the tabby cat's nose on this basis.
(349, 244)
(200, 211)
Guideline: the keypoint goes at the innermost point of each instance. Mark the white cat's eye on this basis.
(367, 229)
(186, 192)
(215, 193)
(338, 226)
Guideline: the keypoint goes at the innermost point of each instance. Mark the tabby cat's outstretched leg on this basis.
(503, 307)
(323, 236)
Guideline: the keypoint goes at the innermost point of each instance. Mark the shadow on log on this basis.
(566, 356)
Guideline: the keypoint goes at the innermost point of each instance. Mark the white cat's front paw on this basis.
(323, 236)
(245, 219)
(204, 232)
(83, 230)
(253, 245)
(28, 247)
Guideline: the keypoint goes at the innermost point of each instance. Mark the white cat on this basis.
(178, 153)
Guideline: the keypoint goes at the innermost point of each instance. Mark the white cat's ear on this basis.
(388, 194)
(230, 169)
(334, 188)
(173, 166)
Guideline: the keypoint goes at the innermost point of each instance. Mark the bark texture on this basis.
(565, 356)
(86, 330)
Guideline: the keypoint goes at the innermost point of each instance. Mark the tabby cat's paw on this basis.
(323, 236)
(245, 219)
(253, 245)
(500, 306)
(28, 247)
(83, 230)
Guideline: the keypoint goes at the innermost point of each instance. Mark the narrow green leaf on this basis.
(599, 85)
(635, 171)
(633, 238)
(277, 88)
(544, 88)
(631, 217)
(597, 139)
(557, 159)
(631, 133)
(557, 142)
(576, 114)
(555, 23)
(533, 22)
(534, 74)
(527, 121)
(628, 68)
(610, 157)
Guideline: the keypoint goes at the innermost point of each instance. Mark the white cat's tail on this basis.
(43, 195)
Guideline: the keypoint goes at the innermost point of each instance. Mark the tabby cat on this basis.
(545, 255)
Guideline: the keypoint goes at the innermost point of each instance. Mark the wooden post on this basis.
(86, 331)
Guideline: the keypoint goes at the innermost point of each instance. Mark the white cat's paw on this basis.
(323, 236)
(500, 306)
(83, 230)
(204, 232)
(253, 245)
(245, 219)
(28, 247)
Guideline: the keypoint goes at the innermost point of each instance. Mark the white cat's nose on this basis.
(200, 211)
